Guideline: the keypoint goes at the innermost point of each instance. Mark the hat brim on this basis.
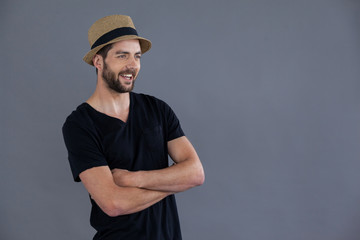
(145, 46)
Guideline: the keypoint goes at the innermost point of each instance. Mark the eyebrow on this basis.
(124, 52)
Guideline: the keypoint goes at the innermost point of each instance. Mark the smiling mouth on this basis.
(127, 76)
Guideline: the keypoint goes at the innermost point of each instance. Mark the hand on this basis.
(123, 178)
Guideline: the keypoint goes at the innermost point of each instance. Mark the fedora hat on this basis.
(112, 29)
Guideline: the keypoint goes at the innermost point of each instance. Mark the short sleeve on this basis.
(174, 129)
(84, 151)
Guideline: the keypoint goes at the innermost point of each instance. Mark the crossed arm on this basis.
(123, 192)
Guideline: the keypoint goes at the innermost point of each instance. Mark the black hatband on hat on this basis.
(118, 32)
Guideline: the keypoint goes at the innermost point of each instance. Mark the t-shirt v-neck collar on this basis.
(110, 117)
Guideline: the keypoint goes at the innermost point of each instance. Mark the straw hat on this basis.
(112, 29)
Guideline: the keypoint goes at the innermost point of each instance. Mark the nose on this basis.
(133, 62)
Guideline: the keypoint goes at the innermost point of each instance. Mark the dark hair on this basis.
(103, 52)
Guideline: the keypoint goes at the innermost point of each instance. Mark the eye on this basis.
(123, 56)
(138, 56)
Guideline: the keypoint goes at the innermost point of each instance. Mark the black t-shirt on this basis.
(95, 139)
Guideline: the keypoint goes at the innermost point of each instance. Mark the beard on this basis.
(113, 81)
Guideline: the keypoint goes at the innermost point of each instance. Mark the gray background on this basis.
(267, 91)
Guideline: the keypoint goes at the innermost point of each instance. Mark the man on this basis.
(118, 143)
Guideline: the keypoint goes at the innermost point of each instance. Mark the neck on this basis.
(110, 102)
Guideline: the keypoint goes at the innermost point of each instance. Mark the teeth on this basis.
(128, 76)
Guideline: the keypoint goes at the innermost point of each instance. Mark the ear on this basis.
(98, 62)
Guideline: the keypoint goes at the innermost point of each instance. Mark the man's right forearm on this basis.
(117, 200)
(129, 200)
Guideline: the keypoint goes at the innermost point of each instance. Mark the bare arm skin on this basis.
(116, 200)
(186, 173)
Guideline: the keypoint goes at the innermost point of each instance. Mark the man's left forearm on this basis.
(176, 178)
(186, 173)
